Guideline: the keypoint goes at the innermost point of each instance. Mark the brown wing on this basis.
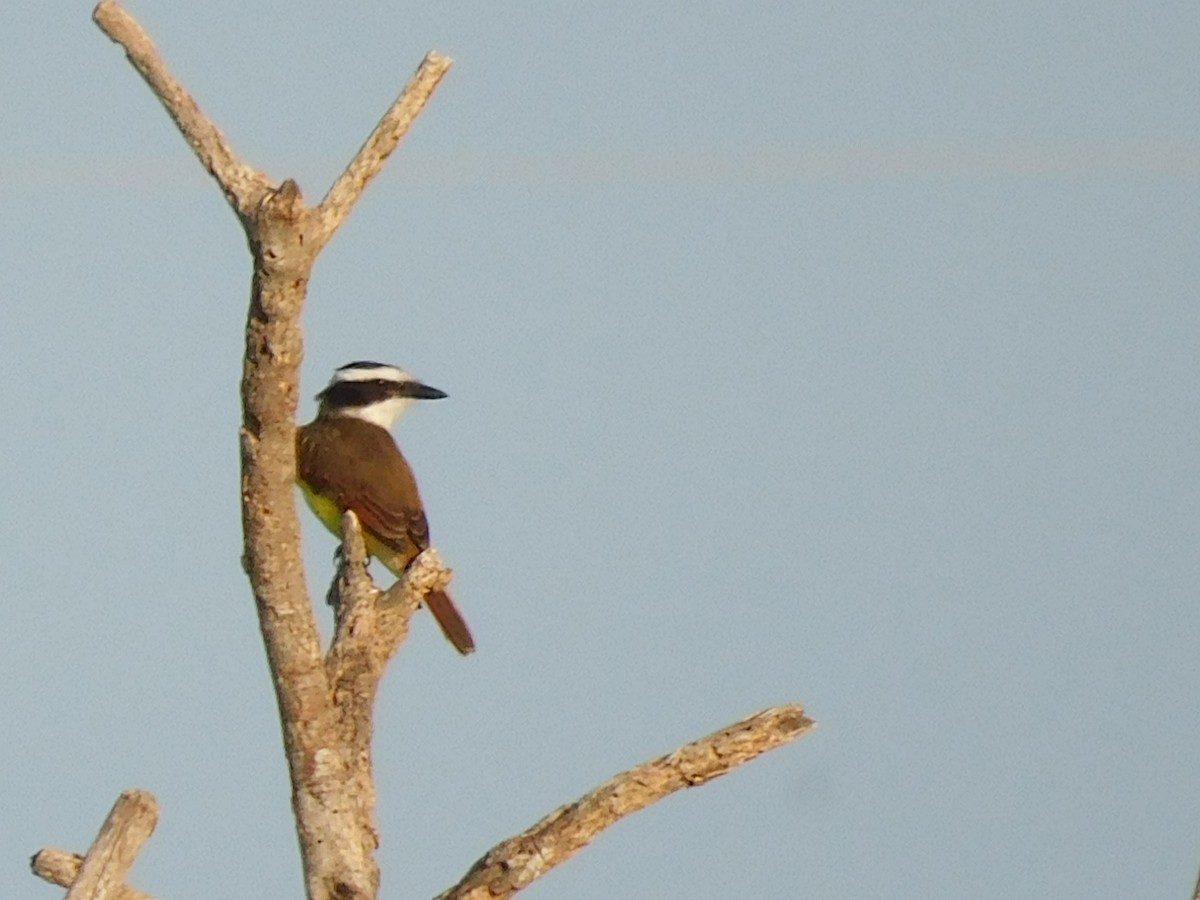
(359, 467)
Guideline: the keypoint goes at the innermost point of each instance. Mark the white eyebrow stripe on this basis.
(374, 373)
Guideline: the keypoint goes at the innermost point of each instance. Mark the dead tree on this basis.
(326, 699)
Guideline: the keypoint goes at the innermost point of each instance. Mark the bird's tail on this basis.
(450, 620)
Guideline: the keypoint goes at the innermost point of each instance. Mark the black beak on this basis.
(419, 391)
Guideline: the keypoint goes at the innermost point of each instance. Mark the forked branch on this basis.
(372, 624)
(245, 187)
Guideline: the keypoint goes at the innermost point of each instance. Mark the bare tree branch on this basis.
(514, 864)
(243, 186)
(62, 868)
(372, 624)
(101, 874)
(370, 627)
(383, 140)
(352, 584)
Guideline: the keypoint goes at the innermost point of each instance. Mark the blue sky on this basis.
(840, 356)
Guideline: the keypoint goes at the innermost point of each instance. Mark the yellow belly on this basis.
(331, 517)
(327, 511)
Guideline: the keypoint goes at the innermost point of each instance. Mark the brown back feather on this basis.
(359, 467)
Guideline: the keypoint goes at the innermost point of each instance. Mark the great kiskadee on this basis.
(346, 459)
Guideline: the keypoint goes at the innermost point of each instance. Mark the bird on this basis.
(346, 459)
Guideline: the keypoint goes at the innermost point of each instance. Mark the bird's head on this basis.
(373, 392)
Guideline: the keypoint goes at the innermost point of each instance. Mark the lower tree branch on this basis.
(514, 864)
(128, 826)
(61, 867)
(101, 874)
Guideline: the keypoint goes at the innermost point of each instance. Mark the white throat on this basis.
(384, 413)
